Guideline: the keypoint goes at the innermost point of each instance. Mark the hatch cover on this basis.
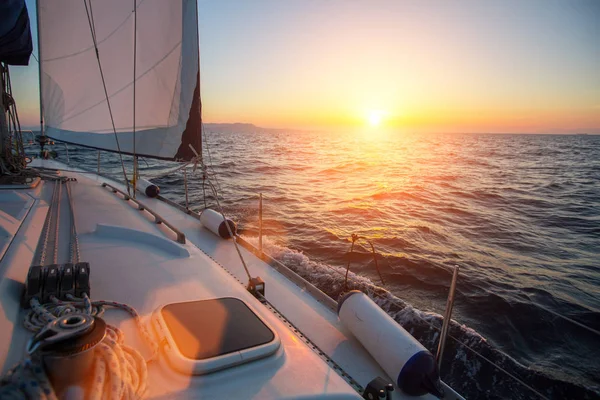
(208, 335)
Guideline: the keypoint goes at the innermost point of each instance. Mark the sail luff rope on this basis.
(90, 16)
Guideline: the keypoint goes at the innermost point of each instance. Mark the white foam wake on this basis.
(330, 279)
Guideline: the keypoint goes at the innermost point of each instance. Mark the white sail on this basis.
(167, 101)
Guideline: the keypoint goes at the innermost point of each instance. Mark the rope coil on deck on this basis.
(118, 371)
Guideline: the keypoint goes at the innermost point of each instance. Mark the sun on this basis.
(376, 117)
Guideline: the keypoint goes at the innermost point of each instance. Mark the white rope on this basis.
(118, 372)
(27, 380)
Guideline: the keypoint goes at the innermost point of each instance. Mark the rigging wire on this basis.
(592, 330)
(211, 165)
(90, 16)
(204, 190)
(20, 151)
(13, 157)
(233, 238)
(135, 159)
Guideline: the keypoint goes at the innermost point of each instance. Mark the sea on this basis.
(518, 214)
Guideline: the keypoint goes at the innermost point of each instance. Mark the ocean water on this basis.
(519, 215)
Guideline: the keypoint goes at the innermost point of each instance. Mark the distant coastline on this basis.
(244, 127)
(241, 127)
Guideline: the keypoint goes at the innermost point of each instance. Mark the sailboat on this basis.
(109, 290)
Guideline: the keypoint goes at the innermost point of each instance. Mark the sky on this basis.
(426, 66)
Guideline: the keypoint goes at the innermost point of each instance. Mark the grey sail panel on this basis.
(75, 108)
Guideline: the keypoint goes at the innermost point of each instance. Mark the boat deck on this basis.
(139, 262)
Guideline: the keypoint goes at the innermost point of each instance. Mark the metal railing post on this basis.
(447, 317)
(67, 149)
(260, 223)
(185, 184)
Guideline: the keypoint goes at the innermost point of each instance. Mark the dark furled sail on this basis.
(15, 33)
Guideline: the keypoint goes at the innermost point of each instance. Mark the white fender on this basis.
(213, 221)
(147, 187)
(402, 357)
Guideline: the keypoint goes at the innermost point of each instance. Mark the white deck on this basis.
(137, 262)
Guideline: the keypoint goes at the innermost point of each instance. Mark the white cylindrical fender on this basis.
(147, 187)
(400, 355)
(213, 221)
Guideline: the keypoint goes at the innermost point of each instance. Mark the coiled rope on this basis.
(118, 371)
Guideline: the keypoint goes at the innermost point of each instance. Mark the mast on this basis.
(37, 23)
(3, 123)
(135, 157)
(199, 96)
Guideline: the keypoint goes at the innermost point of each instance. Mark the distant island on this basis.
(242, 127)
(239, 127)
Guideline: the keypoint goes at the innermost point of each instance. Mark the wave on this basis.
(471, 365)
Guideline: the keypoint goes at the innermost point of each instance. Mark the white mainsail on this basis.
(167, 99)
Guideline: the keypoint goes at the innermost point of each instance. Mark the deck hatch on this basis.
(205, 329)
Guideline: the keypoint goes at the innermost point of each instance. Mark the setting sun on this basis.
(376, 117)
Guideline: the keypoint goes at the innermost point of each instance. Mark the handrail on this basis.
(260, 223)
(142, 207)
(179, 207)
